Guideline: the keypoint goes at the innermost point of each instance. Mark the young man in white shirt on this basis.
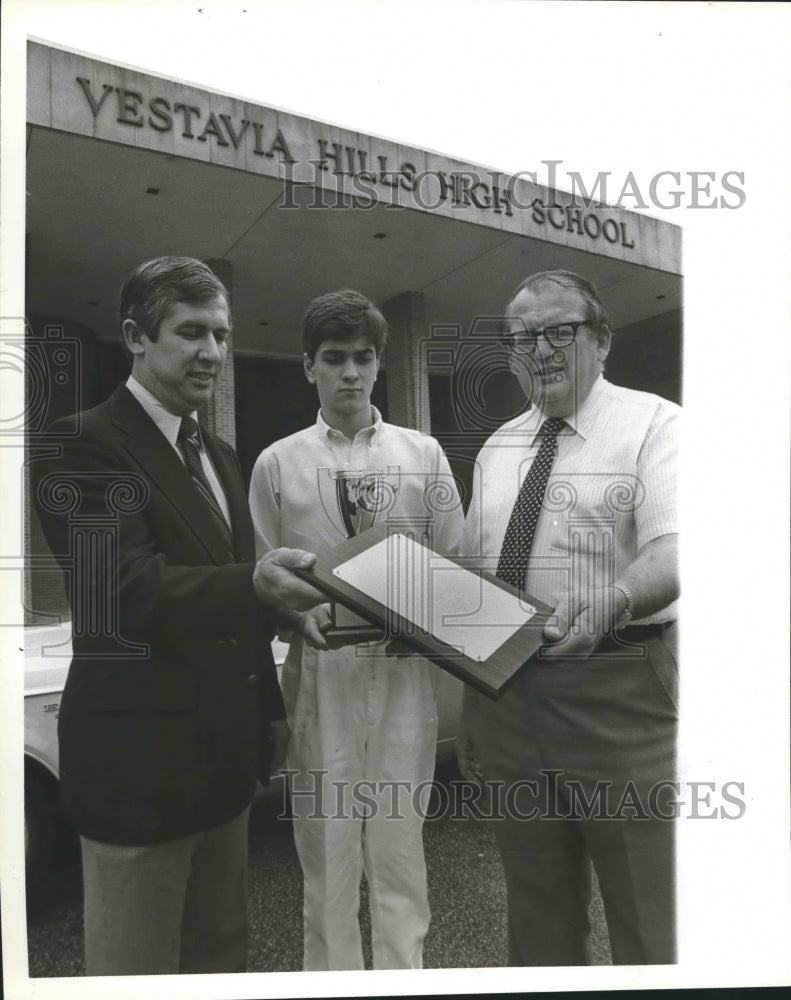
(363, 724)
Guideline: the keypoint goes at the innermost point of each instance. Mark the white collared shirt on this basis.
(611, 490)
(170, 424)
(293, 490)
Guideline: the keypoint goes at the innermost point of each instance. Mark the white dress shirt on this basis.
(612, 488)
(170, 423)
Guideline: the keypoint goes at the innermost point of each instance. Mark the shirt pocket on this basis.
(585, 506)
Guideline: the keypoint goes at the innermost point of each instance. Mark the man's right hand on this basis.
(277, 585)
(313, 624)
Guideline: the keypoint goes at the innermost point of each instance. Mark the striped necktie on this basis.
(189, 442)
(515, 553)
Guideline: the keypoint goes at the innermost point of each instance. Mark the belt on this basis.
(633, 634)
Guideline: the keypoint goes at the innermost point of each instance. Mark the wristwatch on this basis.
(626, 615)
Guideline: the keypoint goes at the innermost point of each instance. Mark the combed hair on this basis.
(342, 315)
(568, 279)
(156, 285)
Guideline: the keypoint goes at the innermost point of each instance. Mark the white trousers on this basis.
(363, 738)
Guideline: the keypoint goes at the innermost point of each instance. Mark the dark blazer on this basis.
(163, 721)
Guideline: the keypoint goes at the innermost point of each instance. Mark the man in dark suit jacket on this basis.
(171, 709)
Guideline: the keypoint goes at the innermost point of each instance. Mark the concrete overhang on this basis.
(124, 166)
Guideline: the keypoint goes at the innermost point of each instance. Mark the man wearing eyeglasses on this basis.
(574, 503)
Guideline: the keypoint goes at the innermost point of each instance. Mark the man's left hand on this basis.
(581, 622)
(278, 586)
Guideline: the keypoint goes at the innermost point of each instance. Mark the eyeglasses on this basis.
(559, 335)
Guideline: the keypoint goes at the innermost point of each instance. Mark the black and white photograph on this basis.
(395, 448)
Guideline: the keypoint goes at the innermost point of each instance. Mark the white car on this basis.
(47, 659)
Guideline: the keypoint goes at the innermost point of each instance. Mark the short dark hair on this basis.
(156, 285)
(568, 279)
(342, 315)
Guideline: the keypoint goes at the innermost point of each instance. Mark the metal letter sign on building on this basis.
(75, 94)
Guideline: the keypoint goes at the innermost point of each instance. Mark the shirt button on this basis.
(252, 678)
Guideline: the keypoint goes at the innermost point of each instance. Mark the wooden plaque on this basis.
(472, 624)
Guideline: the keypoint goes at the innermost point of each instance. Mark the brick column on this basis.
(220, 412)
(407, 378)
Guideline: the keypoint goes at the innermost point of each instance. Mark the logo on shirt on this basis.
(361, 498)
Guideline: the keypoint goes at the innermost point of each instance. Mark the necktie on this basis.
(189, 442)
(514, 555)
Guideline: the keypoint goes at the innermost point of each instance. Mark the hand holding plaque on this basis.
(470, 623)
